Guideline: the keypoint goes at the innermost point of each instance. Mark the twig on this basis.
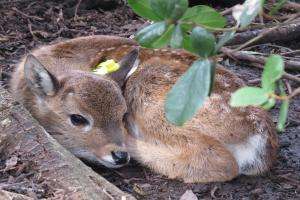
(15, 1)
(259, 65)
(292, 6)
(288, 86)
(296, 92)
(263, 34)
(284, 17)
(269, 25)
(76, 9)
(30, 30)
(254, 81)
(243, 55)
(291, 77)
(269, 45)
(290, 53)
(289, 97)
(287, 32)
(25, 15)
(226, 11)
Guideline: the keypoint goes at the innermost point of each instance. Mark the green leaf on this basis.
(164, 40)
(143, 9)
(169, 9)
(226, 36)
(283, 113)
(177, 37)
(212, 77)
(186, 27)
(248, 12)
(273, 70)
(187, 44)
(203, 41)
(248, 96)
(269, 104)
(277, 7)
(204, 15)
(148, 35)
(179, 9)
(188, 93)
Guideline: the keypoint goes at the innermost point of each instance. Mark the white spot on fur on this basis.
(249, 153)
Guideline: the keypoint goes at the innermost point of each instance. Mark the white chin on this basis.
(106, 161)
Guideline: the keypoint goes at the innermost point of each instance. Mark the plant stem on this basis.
(210, 28)
(296, 92)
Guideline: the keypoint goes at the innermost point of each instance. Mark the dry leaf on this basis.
(189, 195)
(11, 163)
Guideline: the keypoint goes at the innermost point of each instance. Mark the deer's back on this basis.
(146, 93)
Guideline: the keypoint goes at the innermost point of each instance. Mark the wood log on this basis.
(283, 34)
(5, 195)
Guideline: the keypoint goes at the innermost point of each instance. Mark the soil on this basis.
(27, 24)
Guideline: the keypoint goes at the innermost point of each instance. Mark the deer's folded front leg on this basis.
(200, 159)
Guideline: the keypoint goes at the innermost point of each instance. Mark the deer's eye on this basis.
(78, 120)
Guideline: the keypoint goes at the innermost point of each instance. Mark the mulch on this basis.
(27, 24)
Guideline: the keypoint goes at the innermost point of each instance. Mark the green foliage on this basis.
(269, 104)
(189, 92)
(227, 36)
(203, 42)
(248, 96)
(277, 7)
(265, 96)
(164, 39)
(143, 9)
(252, 96)
(169, 9)
(273, 70)
(151, 34)
(283, 113)
(204, 15)
(178, 26)
(177, 37)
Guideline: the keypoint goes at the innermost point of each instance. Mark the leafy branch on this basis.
(191, 28)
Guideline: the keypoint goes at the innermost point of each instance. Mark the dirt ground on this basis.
(27, 24)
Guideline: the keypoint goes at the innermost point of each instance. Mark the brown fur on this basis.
(200, 151)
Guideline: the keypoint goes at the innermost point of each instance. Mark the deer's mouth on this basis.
(109, 161)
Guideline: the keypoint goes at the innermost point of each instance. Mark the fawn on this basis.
(105, 119)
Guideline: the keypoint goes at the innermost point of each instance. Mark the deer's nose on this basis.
(120, 157)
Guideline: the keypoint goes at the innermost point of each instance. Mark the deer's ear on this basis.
(127, 63)
(38, 79)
